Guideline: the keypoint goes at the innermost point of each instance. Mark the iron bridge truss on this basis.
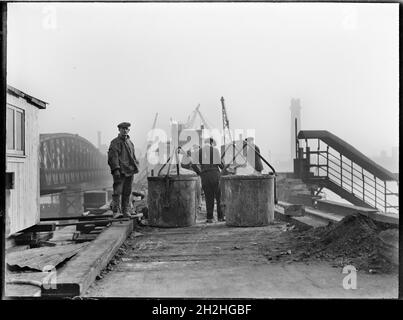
(68, 160)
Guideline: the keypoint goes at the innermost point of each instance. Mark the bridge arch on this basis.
(67, 160)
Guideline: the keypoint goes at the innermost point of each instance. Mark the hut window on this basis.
(15, 130)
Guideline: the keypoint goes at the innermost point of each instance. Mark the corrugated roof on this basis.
(38, 258)
(32, 100)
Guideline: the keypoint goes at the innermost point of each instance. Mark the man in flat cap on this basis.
(124, 165)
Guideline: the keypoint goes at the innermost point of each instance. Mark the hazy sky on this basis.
(101, 64)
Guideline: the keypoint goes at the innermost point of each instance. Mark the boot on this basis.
(115, 207)
(126, 207)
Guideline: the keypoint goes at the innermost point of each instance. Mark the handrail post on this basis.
(306, 145)
(327, 162)
(296, 137)
(375, 189)
(352, 177)
(301, 153)
(341, 170)
(318, 156)
(385, 195)
(363, 184)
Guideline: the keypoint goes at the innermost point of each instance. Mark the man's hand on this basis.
(116, 173)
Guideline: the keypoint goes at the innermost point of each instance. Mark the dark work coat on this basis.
(121, 156)
(209, 159)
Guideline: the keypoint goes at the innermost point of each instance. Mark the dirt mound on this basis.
(354, 240)
(353, 235)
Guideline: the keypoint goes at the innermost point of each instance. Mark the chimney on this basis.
(295, 114)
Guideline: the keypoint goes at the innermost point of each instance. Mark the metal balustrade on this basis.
(336, 161)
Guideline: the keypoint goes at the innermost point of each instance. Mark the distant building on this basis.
(22, 168)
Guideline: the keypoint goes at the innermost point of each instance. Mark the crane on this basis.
(202, 118)
(155, 120)
(225, 121)
(192, 118)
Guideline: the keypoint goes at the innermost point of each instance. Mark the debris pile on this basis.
(355, 240)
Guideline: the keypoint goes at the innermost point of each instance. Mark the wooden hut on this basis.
(22, 168)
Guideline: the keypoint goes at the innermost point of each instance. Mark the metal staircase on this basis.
(329, 162)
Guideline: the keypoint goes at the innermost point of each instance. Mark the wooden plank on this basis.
(41, 227)
(342, 208)
(304, 222)
(324, 216)
(38, 258)
(385, 217)
(99, 222)
(292, 209)
(82, 270)
(80, 218)
(95, 223)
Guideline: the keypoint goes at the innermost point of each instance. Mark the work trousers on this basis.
(122, 187)
(198, 194)
(211, 187)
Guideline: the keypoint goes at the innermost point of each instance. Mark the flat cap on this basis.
(124, 125)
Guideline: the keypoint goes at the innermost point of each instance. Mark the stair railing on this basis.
(327, 163)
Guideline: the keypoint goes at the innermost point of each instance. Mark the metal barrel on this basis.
(248, 200)
(172, 200)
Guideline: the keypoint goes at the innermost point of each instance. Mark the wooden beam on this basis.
(81, 270)
(89, 217)
(96, 222)
(292, 209)
(41, 227)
